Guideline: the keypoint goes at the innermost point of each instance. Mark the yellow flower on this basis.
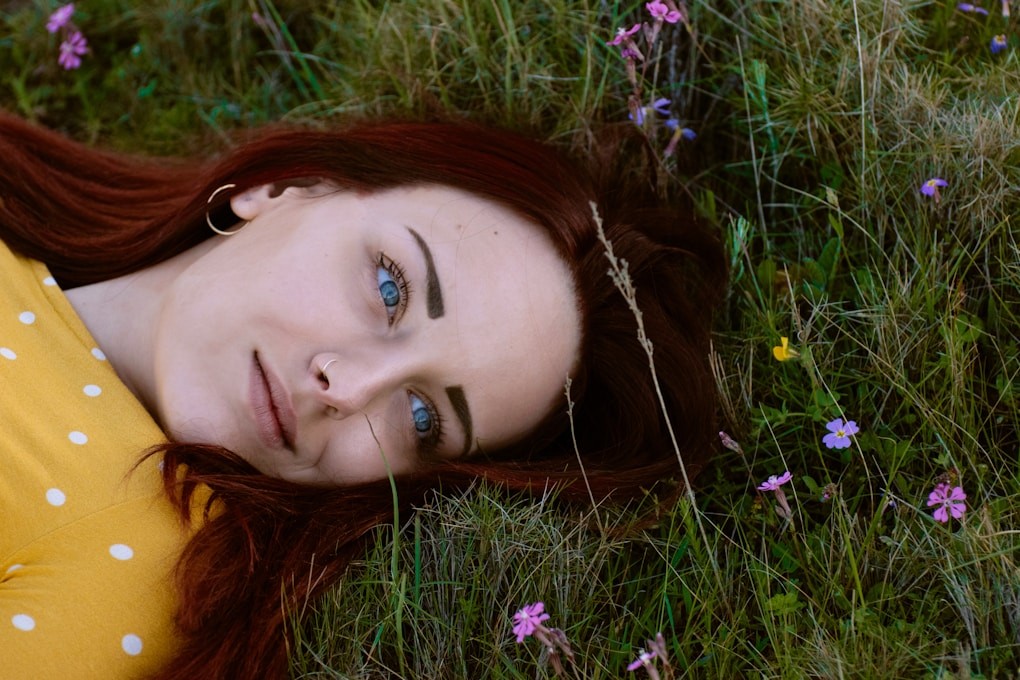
(782, 351)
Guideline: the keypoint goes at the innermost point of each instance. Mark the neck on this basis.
(123, 314)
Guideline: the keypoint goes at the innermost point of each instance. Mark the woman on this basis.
(385, 308)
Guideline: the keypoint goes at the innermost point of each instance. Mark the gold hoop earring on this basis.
(208, 221)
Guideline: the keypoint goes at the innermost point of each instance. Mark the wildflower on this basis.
(623, 35)
(528, 619)
(829, 492)
(839, 433)
(660, 106)
(782, 351)
(949, 501)
(999, 43)
(644, 659)
(774, 482)
(656, 650)
(932, 186)
(684, 133)
(1005, 8)
(60, 18)
(967, 7)
(71, 50)
(661, 12)
(730, 443)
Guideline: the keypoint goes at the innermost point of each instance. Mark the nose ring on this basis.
(322, 371)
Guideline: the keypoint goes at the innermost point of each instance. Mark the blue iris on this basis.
(420, 414)
(388, 288)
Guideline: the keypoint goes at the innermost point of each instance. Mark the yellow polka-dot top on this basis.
(87, 545)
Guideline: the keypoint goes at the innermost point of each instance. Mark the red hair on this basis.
(92, 215)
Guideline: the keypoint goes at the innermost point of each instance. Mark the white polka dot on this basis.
(55, 497)
(121, 551)
(8, 353)
(77, 437)
(26, 318)
(23, 622)
(92, 390)
(98, 353)
(132, 644)
(49, 281)
(13, 568)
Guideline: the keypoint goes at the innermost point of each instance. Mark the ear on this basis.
(249, 204)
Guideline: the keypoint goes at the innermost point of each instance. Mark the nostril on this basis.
(323, 377)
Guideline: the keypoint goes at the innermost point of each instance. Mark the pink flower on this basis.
(60, 18)
(839, 433)
(528, 619)
(949, 502)
(774, 482)
(71, 50)
(623, 35)
(644, 659)
(661, 12)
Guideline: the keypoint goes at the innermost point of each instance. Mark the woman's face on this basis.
(337, 336)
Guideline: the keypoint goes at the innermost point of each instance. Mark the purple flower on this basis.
(839, 433)
(661, 12)
(660, 106)
(999, 43)
(949, 502)
(71, 50)
(624, 34)
(684, 133)
(967, 7)
(1005, 8)
(644, 659)
(931, 187)
(60, 18)
(528, 619)
(774, 482)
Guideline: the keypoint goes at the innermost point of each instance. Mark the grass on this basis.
(817, 123)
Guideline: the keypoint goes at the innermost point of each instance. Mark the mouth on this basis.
(274, 416)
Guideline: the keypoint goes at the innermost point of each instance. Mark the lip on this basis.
(271, 407)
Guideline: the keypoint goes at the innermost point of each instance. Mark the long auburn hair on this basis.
(92, 215)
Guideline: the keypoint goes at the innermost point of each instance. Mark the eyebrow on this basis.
(433, 295)
(460, 407)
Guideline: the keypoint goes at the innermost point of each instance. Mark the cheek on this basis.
(357, 453)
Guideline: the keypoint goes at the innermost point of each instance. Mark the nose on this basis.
(348, 385)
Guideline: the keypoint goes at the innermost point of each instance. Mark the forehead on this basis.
(511, 323)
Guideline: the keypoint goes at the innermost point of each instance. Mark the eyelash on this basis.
(432, 440)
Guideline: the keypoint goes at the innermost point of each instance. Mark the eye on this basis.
(426, 421)
(393, 288)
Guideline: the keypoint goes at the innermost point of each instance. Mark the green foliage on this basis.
(817, 124)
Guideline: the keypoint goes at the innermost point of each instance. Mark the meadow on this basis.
(861, 160)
